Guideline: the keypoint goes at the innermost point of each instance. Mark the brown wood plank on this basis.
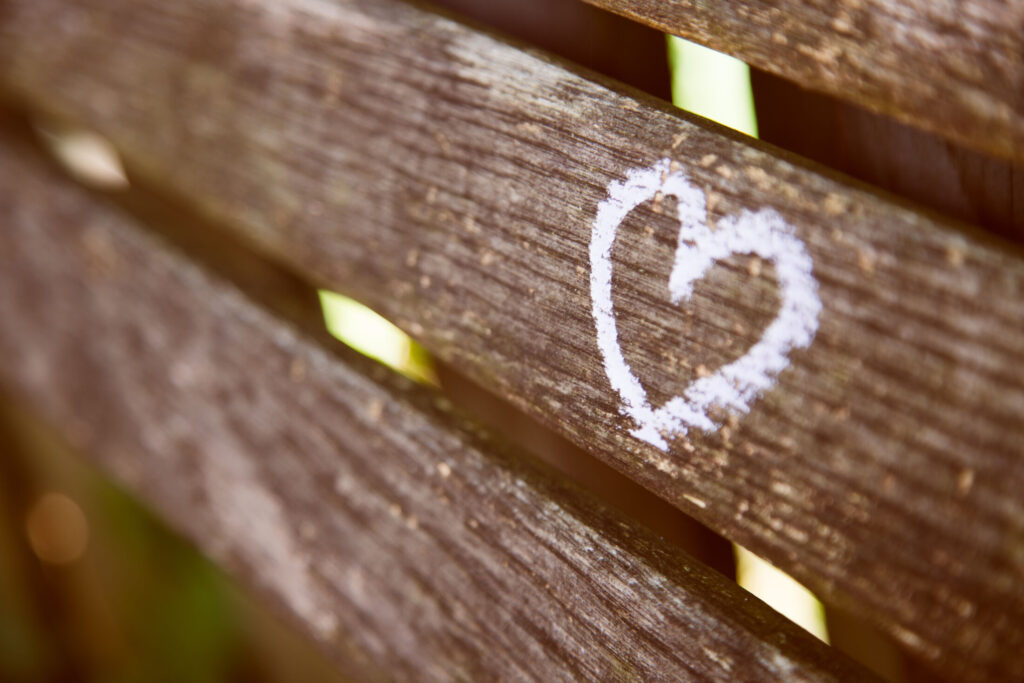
(955, 69)
(385, 525)
(452, 181)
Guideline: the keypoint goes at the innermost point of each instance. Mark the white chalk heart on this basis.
(764, 233)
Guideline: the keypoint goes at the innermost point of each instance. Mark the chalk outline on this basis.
(764, 233)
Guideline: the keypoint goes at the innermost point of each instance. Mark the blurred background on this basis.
(94, 588)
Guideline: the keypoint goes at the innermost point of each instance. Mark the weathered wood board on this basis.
(392, 531)
(452, 182)
(955, 69)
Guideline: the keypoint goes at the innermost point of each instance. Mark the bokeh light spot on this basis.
(57, 529)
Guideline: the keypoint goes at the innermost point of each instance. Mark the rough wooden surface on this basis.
(956, 69)
(394, 533)
(451, 181)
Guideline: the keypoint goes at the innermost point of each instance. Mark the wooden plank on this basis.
(391, 530)
(452, 182)
(954, 69)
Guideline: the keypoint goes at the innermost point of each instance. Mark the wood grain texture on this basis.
(450, 181)
(392, 531)
(955, 69)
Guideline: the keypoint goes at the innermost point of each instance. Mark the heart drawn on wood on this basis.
(736, 385)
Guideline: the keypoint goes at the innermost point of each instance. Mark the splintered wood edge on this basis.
(955, 71)
(391, 531)
(453, 183)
